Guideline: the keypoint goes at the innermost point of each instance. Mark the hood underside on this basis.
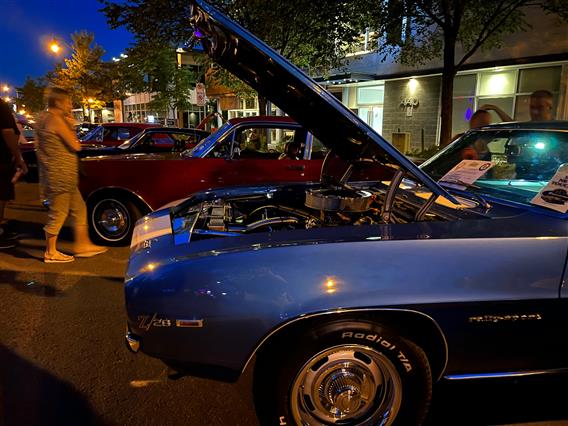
(266, 71)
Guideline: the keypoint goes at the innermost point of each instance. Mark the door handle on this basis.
(296, 167)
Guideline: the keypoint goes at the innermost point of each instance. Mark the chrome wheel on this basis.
(347, 384)
(111, 219)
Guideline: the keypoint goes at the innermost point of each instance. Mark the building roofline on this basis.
(355, 77)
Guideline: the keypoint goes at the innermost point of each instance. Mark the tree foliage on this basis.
(31, 94)
(152, 67)
(309, 33)
(416, 31)
(85, 75)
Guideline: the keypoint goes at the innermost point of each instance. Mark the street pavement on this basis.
(63, 360)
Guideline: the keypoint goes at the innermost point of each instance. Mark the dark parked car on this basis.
(355, 296)
(114, 134)
(119, 190)
(148, 141)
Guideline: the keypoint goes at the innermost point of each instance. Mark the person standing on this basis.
(57, 147)
(540, 105)
(12, 165)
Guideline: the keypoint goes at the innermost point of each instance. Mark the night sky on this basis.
(27, 25)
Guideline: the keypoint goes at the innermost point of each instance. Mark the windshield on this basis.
(203, 147)
(128, 143)
(523, 160)
(95, 135)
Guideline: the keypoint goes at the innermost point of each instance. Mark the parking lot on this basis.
(63, 359)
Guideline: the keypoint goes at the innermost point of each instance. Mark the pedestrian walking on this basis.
(57, 147)
(12, 166)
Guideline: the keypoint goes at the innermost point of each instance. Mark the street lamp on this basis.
(54, 47)
(5, 88)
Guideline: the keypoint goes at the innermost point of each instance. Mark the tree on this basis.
(87, 78)
(301, 30)
(416, 31)
(31, 94)
(152, 67)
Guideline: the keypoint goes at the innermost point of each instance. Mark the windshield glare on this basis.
(95, 135)
(524, 160)
(202, 147)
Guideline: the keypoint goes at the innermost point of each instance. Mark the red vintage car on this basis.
(119, 189)
(114, 134)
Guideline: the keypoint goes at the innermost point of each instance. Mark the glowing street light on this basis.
(5, 88)
(54, 47)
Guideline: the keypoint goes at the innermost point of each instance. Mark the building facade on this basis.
(403, 102)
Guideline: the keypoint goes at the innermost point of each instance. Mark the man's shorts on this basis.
(6, 187)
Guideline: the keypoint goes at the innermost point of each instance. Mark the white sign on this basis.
(200, 94)
(555, 194)
(466, 172)
(409, 104)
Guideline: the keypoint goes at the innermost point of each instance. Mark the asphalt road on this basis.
(63, 359)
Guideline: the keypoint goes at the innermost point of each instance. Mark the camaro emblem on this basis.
(147, 321)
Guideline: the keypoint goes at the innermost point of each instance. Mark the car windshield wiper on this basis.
(450, 184)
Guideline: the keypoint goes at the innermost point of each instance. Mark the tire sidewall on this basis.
(97, 234)
(408, 359)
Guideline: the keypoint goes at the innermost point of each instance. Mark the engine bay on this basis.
(289, 210)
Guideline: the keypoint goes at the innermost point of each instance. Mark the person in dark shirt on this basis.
(12, 165)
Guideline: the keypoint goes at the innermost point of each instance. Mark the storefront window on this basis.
(505, 103)
(371, 95)
(462, 111)
(533, 79)
(497, 83)
(464, 85)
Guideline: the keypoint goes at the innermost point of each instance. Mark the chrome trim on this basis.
(132, 342)
(345, 311)
(96, 191)
(505, 374)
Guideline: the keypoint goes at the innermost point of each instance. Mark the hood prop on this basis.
(386, 210)
(424, 209)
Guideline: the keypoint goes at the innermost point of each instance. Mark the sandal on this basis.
(57, 257)
(91, 251)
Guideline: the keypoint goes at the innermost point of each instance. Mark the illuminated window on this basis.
(497, 83)
(371, 95)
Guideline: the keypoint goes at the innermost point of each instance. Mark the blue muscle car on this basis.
(357, 292)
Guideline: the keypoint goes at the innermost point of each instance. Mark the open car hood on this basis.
(266, 71)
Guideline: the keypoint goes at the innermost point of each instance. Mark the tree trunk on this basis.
(262, 104)
(447, 90)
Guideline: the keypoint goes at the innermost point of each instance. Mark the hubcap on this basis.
(347, 384)
(111, 219)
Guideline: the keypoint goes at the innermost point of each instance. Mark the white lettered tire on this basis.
(348, 372)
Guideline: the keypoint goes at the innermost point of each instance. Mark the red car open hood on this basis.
(261, 67)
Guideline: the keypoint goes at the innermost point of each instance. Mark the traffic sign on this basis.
(200, 94)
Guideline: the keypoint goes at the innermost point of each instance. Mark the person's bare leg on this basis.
(51, 254)
(50, 244)
(83, 246)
